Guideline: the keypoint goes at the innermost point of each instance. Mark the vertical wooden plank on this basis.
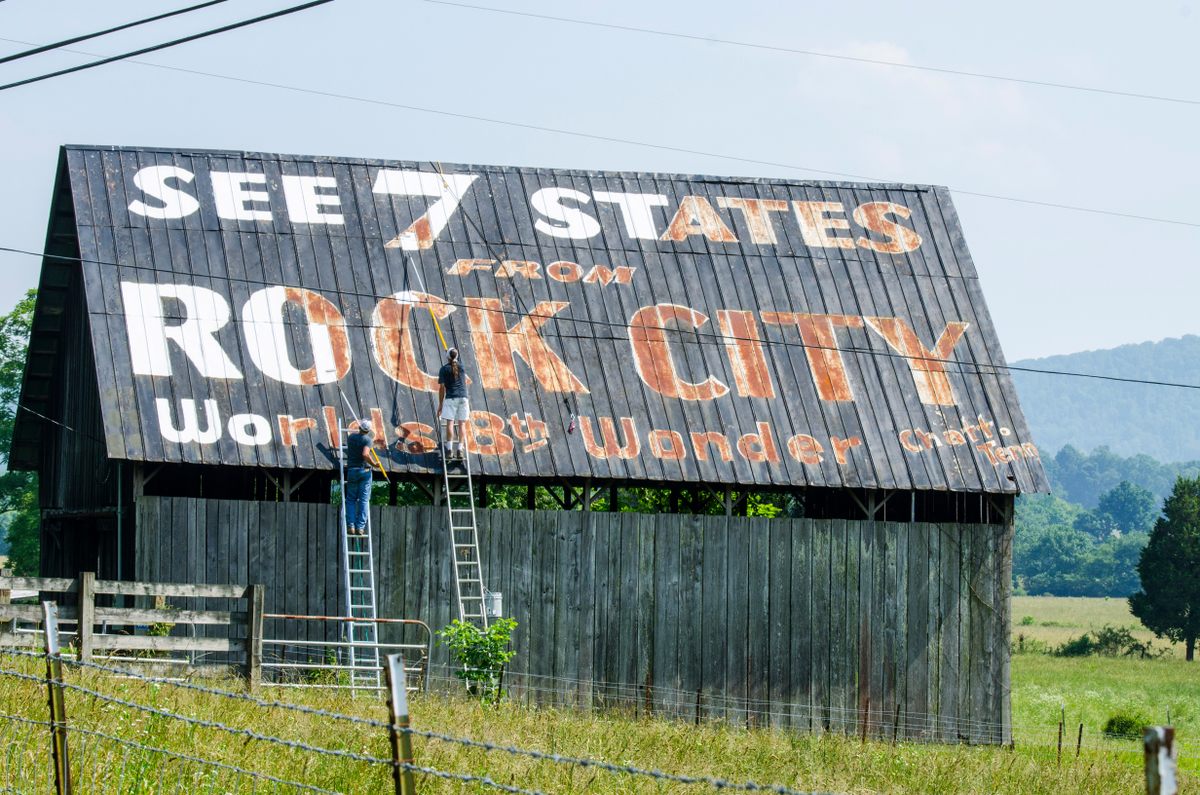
(586, 634)
(950, 618)
(759, 650)
(849, 625)
(668, 610)
(737, 587)
(1003, 610)
(898, 563)
(933, 629)
(879, 623)
(821, 615)
(866, 621)
(983, 666)
(645, 600)
(838, 706)
(716, 627)
(800, 626)
(916, 668)
(691, 651)
(966, 544)
(566, 604)
(779, 594)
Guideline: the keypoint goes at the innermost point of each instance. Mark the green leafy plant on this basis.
(1126, 723)
(482, 655)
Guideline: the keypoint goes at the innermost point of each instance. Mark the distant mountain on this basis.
(1159, 421)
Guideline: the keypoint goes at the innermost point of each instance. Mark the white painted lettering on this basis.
(636, 212)
(190, 431)
(304, 204)
(448, 189)
(232, 196)
(250, 429)
(206, 312)
(175, 203)
(575, 223)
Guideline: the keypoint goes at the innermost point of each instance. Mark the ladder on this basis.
(358, 573)
(464, 540)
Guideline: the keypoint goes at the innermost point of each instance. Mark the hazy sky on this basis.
(1056, 280)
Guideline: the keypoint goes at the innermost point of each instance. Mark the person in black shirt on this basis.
(358, 479)
(452, 404)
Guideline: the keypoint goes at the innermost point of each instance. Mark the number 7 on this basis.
(448, 189)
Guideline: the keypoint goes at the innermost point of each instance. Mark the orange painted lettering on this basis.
(824, 359)
(497, 346)
(743, 346)
(928, 366)
(653, 358)
(391, 336)
(696, 216)
(612, 447)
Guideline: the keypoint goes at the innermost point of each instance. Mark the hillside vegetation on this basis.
(1162, 422)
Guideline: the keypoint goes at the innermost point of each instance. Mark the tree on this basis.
(18, 490)
(1132, 508)
(1169, 602)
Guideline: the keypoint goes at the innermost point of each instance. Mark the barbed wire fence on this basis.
(147, 744)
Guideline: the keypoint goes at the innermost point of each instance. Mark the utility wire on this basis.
(97, 34)
(645, 144)
(982, 368)
(821, 54)
(165, 45)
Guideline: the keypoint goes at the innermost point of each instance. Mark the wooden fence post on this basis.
(58, 709)
(255, 597)
(87, 614)
(402, 751)
(1159, 743)
(6, 595)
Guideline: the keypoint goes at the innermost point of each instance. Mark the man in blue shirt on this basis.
(358, 479)
(452, 405)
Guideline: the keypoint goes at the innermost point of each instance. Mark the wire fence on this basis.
(144, 740)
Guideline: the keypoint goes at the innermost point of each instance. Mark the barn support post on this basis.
(614, 499)
(255, 601)
(87, 614)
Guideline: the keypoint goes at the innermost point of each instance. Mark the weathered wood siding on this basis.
(822, 625)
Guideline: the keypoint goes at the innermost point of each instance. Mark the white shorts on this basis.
(456, 409)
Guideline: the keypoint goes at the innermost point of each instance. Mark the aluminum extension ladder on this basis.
(358, 574)
(459, 491)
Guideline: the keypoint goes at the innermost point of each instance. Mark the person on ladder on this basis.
(358, 479)
(452, 405)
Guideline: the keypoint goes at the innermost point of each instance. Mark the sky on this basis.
(1056, 280)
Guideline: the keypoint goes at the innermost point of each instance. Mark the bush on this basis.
(1126, 723)
(482, 655)
(1024, 645)
(1108, 641)
(1027, 621)
(1081, 646)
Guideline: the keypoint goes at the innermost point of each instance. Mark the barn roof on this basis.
(628, 326)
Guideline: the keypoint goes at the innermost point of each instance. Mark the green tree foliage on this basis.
(18, 490)
(1169, 602)
(1128, 418)
(1084, 478)
(1132, 508)
(482, 655)
(1054, 554)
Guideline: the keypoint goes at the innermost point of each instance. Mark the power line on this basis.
(645, 144)
(981, 368)
(165, 45)
(822, 54)
(97, 34)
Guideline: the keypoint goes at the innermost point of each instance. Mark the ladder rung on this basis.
(465, 545)
(458, 494)
(361, 588)
(465, 598)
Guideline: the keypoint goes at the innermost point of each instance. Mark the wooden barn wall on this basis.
(74, 472)
(822, 625)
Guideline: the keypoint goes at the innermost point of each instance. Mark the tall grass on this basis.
(822, 763)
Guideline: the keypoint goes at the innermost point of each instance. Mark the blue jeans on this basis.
(358, 496)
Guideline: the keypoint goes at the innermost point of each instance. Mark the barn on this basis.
(207, 320)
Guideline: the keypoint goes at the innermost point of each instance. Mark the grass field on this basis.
(1089, 689)
(1056, 619)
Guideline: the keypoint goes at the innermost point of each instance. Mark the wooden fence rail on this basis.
(243, 628)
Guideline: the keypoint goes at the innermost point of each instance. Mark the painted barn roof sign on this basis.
(639, 327)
